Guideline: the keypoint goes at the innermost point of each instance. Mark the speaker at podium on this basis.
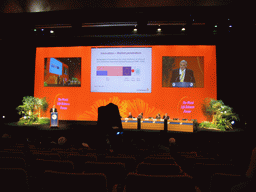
(54, 117)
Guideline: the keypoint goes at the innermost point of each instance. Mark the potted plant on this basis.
(218, 114)
(29, 105)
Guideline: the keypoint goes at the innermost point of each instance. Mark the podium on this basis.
(54, 119)
(183, 84)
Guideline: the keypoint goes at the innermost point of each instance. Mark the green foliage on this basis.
(42, 104)
(74, 79)
(220, 114)
(207, 124)
(44, 121)
(45, 84)
(29, 105)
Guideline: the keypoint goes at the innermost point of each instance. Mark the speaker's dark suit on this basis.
(164, 117)
(189, 76)
(55, 110)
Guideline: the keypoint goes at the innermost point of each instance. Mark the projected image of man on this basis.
(183, 74)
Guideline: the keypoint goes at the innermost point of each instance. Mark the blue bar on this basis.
(129, 121)
(161, 122)
(179, 123)
(102, 73)
(147, 122)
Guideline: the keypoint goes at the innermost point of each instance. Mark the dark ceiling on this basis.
(19, 6)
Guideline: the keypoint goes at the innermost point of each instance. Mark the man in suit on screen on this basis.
(183, 74)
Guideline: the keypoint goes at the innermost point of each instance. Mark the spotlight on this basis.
(232, 122)
(159, 29)
(230, 26)
(42, 29)
(215, 26)
(135, 29)
(3, 117)
(51, 31)
(183, 29)
(34, 29)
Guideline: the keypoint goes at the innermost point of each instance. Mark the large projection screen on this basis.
(136, 78)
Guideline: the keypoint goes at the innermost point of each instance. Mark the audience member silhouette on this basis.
(236, 183)
(248, 184)
(109, 122)
(6, 136)
(62, 140)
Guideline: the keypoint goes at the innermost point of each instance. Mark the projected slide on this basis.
(121, 70)
(62, 72)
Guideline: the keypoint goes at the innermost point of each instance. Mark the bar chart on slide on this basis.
(121, 70)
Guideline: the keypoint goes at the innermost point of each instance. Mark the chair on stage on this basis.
(63, 181)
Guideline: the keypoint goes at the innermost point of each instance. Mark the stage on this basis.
(87, 131)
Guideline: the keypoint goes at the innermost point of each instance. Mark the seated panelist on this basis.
(166, 116)
(140, 116)
(158, 116)
(130, 115)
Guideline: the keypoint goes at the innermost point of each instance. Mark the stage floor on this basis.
(90, 125)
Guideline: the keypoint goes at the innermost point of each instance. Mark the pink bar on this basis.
(112, 70)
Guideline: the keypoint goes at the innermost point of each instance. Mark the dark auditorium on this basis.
(127, 96)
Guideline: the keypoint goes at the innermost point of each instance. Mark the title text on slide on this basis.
(123, 53)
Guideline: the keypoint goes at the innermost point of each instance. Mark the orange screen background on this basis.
(78, 103)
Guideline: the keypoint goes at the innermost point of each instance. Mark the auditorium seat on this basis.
(63, 181)
(12, 153)
(129, 161)
(38, 167)
(12, 162)
(54, 165)
(159, 169)
(175, 183)
(160, 159)
(203, 171)
(13, 179)
(79, 159)
(115, 172)
(47, 155)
